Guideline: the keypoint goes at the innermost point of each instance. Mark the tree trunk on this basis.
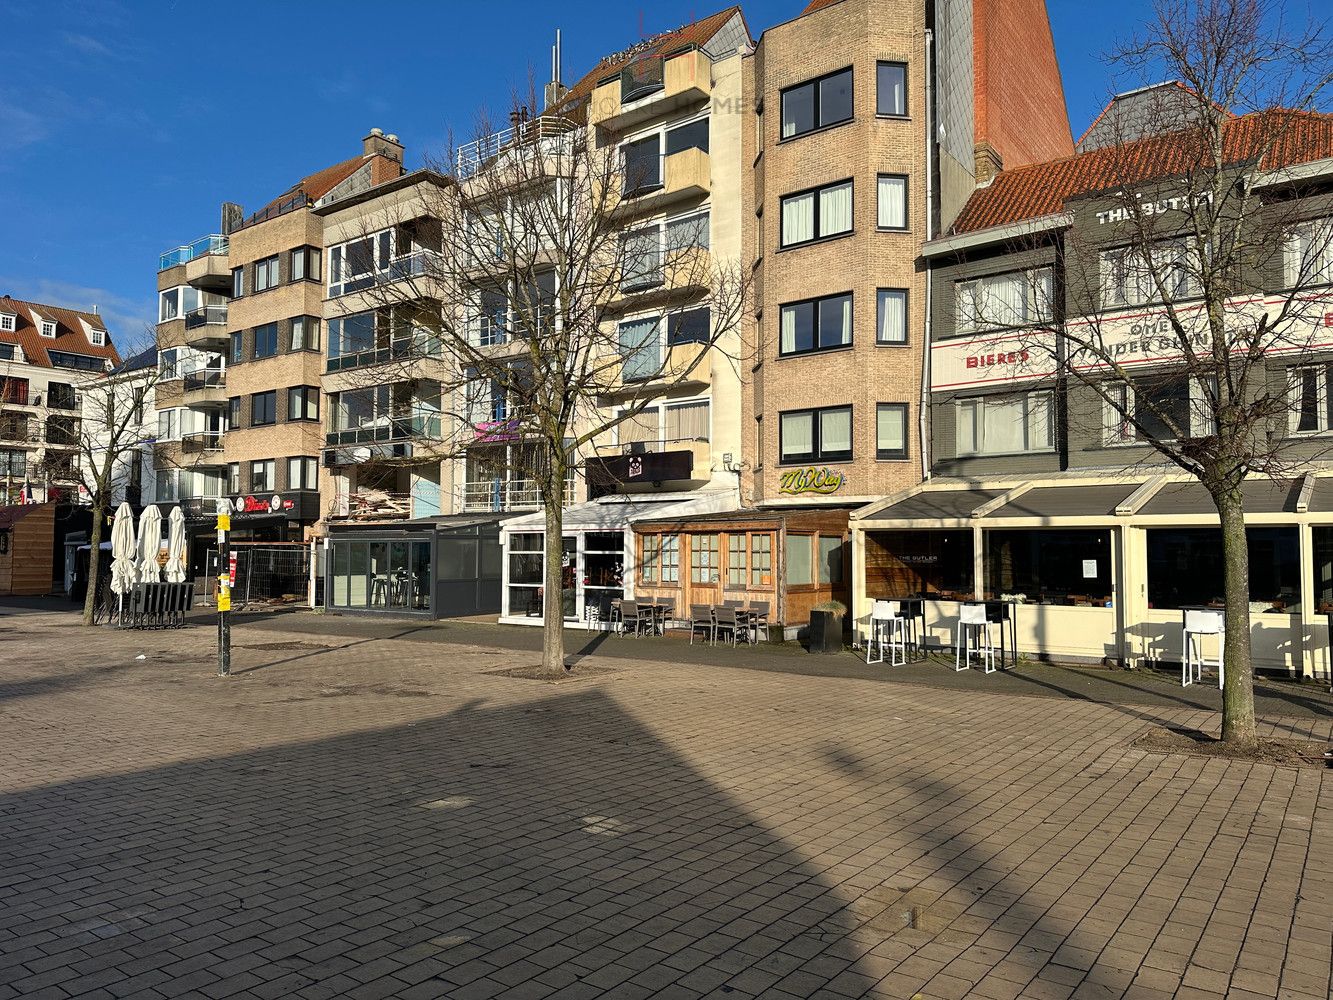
(1238, 726)
(553, 604)
(94, 558)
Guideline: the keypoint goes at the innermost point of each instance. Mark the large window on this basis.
(642, 264)
(692, 326)
(918, 563)
(660, 559)
(691, 135)
(735, 562)
(640, 349)
(266, 341)
(305, 333)
(687, 421)
(349, 335)
(305, 264)
(1185, 568)
(1131, 277)
(816, 324)
(891, 430)
(1310, 402)
(704, 564)
(1050, 567)
(302, 474)
(816, 214)
(1019, 298)
(1002, 425)
(1308, 254)
(822, 435)
(263, 476)
(891, 89)
(173, 303)
(892, 201)
(687, 231)
(303, 402)
(1164, 406)
(263, 408)
(169, 425)
(642, 165)
(891, 316)
(266, 273)
(817, 103)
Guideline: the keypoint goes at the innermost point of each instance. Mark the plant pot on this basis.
(825, 632)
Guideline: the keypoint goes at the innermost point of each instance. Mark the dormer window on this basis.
(48, 329)
(97, 337)
(8, 321)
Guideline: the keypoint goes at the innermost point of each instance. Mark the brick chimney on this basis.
(987, 162)
(384, 145)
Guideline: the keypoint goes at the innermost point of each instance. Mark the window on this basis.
(168, 305)
(892, 195)
(817, 103)
(237, 348)
(237, 282)
(234, 412)
(48, 329)
(691, 135)
(638, 428)
(305, 264)
(830, 559)
(891, 430)
(703, 558)
(168, 363)
(1308, 254)
(687, 421)
(263, 474)
(1185, 568)
(8, 321)
(167, 485)
(266, 341)
(302, 474)
(263, 408)
(266, 273)
(693, 326)
(1161, 405)
(83, 362)
(650, 557)
(761, 560)
(1050, 566)
(168, 425)
(815, 435)
(1130, 277)
(891, 89)
(891, 316)
(817, 214)
(687, 231)
(305, 333)
(643, 165)
(799, 560)
(1311, 405)
(1019, 298)
(1002, 425)
(815, 325)
(97, 337)
(642, 266)
(639, 349)
(736, 562)
(303, 403)
(233, 477)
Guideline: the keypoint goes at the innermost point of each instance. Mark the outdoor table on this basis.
(658, 613)
(1004, 613)
(914, 610)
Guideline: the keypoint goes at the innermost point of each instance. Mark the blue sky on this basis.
(125, 124)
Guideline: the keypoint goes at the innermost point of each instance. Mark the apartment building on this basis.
(45, 353)
(1043, 490)
(240, 338)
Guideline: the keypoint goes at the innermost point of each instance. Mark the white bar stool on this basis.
(1197, 625)
(887, 627)
(973, 625)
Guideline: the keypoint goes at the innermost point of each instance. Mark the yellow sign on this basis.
(224, 522)
(811, 480)
(224, 600)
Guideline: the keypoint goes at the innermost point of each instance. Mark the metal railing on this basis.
(546, 136)
(202, 247)
(206, 316)
(507, 494)
(209, 378)
(412, 265)
(202, 441)
(388, 429)
(423, 345)
(492, 331)
(61, 400)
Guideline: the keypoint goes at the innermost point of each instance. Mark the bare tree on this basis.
(110, 430)
(538, 308)
(1198, 219)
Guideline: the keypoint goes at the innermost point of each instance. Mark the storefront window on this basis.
(1323, 568)
(380, 575)
(603, 570)
(830, 559)
(1046, 566)
(908, 563)
(736, 561)
(761, 560)
(525, 574)
(799, 560)
(1185, 568)
(671, 559)
(703, 558)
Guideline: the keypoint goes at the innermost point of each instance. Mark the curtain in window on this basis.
(1044, 291)
(640, 427)
(1006, 300)
(835, 321)
(892, 316)
(798, 219)
(638, 347)
(890, 431)
(893, 202)
(798, 434)
(965, 305)
(1004, 427)
(1039, 420)
(787, 334)
(691, 231)
(687, 421)
(835, 209)
(835, 431)
(965, 430)
(643, 258)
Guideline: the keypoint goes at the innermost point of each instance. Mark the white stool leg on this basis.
(1186, 667)
(897, 642)
(957, 647)
(988, 663)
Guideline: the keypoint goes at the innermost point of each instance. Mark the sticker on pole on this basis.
(224, 522)
(224, 599)
(231, 571)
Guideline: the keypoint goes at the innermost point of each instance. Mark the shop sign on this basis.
(496, 431)
(1148, 207)
(816, 480)
(260, 505)
(1005, 357)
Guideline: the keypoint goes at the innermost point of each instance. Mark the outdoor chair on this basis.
(1197, 625)
(759, 618)
(668, 606)
(631, 619)
(701, 617)
(888, 627)
(973, 633)
(725, 620)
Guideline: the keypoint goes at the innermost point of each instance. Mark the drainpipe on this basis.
(923, 407)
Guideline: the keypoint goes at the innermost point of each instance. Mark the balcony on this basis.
(660, 276)
(205, 261)
(650, 87)
(206, 316)
(201, 441)
(516, 327)
(205, 246)
(388, 429)
(418, 264)
(204, 389)
(424, 345)
(641, 465)
(679, 369)
(494, 495)
(531, 149)
(682, 175)
(206, 329)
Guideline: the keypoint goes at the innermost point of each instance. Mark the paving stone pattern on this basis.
(369, 817)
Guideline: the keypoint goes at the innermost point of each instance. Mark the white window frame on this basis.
(980, 423)
(49, 329)
(1122, 433)
(1126, 282)
(1323, 422)
(97, 337)
(898, 181)
(1317, 234)
(1038, 284)
(8, 322)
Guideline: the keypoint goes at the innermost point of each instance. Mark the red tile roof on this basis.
(320, 183)
(70, 335)
(1277, 138)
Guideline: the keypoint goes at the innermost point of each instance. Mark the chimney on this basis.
(555, 90)
(384, 145)
(987, 162)
(232, 215)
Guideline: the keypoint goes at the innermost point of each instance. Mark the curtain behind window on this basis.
(798, 219)
(835, 209)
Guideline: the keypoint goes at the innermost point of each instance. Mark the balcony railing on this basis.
(547, 136)
(492, 331)
(413, 265)
(209, 378)
(202, 441)
(206, 316)
(60, 400)
(424, 345)
(201, 247)
(388, 429)
(507, 494)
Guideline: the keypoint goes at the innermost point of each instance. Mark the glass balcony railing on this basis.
(210, 378)
(388, 429)
(206, 316)
(202, 247)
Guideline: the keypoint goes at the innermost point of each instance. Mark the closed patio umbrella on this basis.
(176, 546)
(150, 544)
(123, 552)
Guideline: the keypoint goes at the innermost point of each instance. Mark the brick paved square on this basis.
(369, 816)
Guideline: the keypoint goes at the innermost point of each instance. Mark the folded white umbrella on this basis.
(176, 546)
(150, 544)
(123, 553)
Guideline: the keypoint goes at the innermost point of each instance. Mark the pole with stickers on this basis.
(226, 580)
